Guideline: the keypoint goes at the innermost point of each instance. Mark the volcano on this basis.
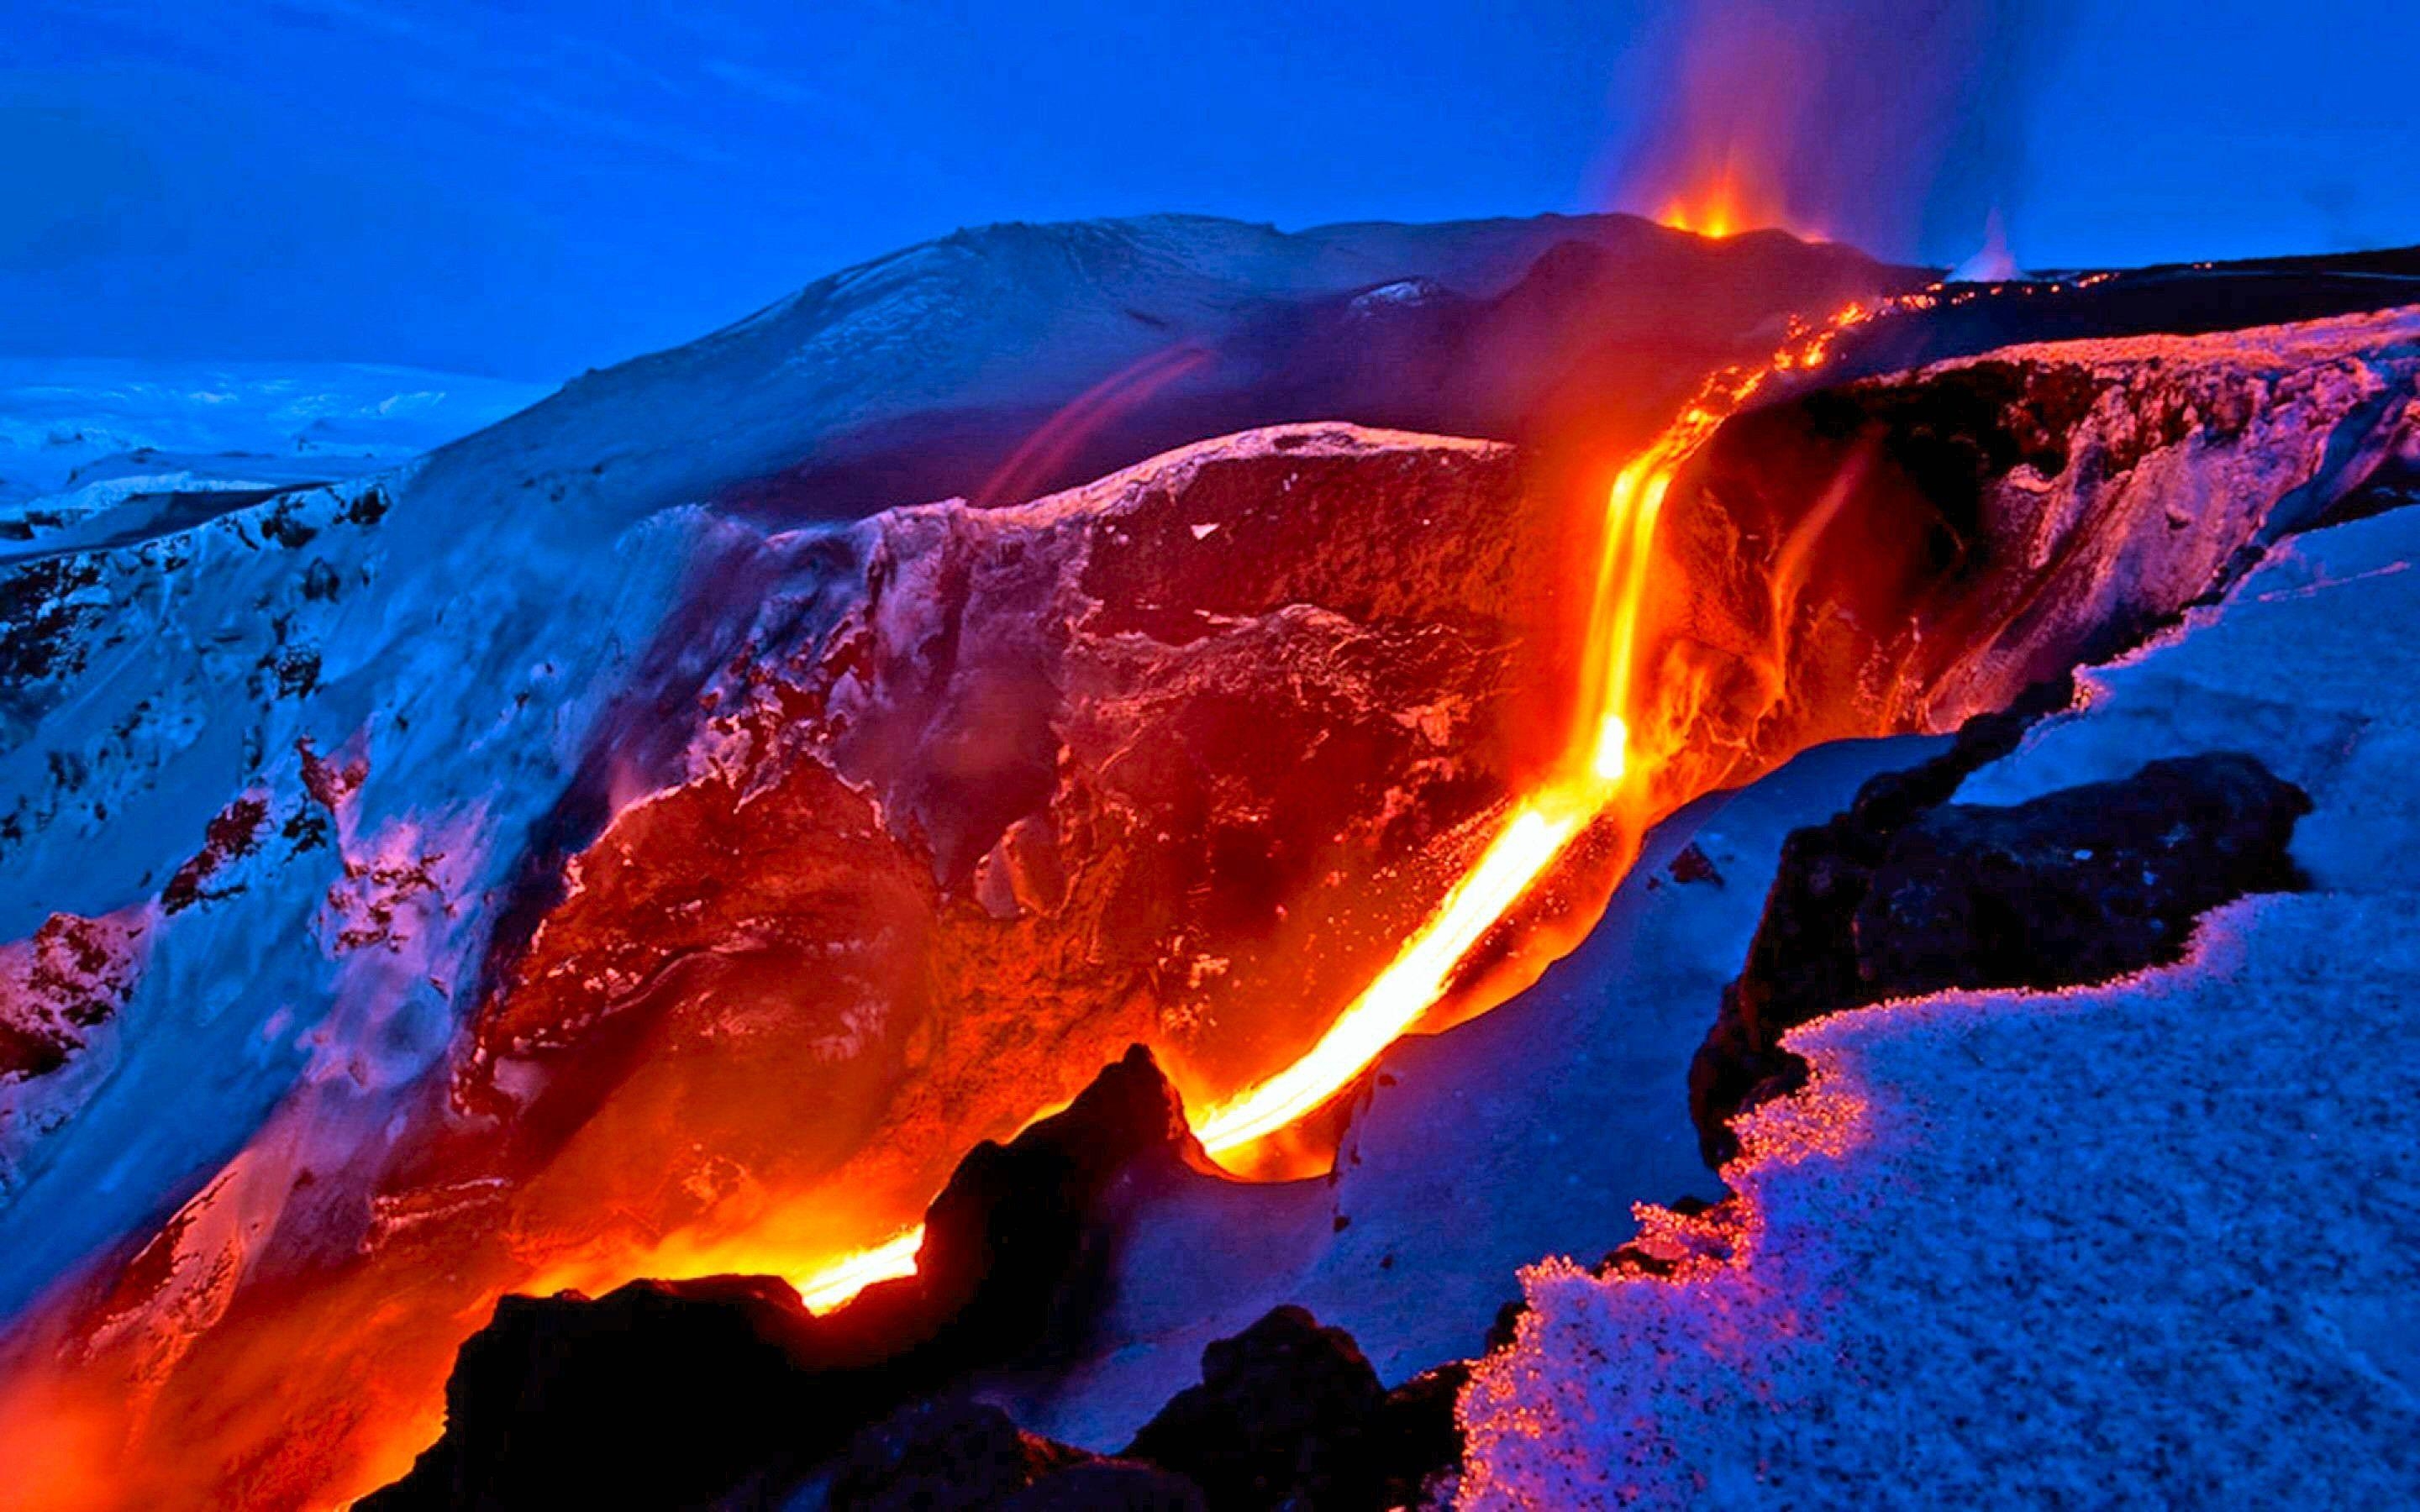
(1050, 873)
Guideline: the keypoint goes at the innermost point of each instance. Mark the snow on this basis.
(470, 656)
(2146, 1245)
(77, 434)
(1402, 291)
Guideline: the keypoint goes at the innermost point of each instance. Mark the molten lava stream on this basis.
(1597, 771)
(1537, 833)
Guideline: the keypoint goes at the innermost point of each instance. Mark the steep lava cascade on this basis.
(1168, 759)
(1577, 784)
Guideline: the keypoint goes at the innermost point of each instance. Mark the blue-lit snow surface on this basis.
(77, 434)
(2151, 1244)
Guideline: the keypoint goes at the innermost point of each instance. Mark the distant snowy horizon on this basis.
(79, 434)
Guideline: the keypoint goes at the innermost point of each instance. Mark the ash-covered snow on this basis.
(2153, 1243)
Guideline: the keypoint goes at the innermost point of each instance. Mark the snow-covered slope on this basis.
(2146, 1245)
(1035, 357)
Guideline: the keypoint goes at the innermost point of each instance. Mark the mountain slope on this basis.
(920, 375)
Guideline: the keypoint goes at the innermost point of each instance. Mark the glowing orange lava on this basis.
(1536, 831)
(1716, 209)
(1726, 199)
(852, 1273)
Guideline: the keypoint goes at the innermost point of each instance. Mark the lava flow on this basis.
(1591, 778)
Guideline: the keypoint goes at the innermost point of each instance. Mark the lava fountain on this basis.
(1725, 205)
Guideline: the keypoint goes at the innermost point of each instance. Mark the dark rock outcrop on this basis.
(56, 988)
(1007, 1237)
(943, 1455)
(1288, 1413)
(1108, 1486)
(727, 1392)
(1908, 893)
(679, 1394)
(1285, 1412)
(2078, 885)
(663, 1393)
(954, 1456)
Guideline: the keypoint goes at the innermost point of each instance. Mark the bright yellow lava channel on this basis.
(1535, 833)
(1391, 1004)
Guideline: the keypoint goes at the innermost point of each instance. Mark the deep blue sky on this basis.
(531, 188)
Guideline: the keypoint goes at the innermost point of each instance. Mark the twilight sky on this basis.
(526, 188)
